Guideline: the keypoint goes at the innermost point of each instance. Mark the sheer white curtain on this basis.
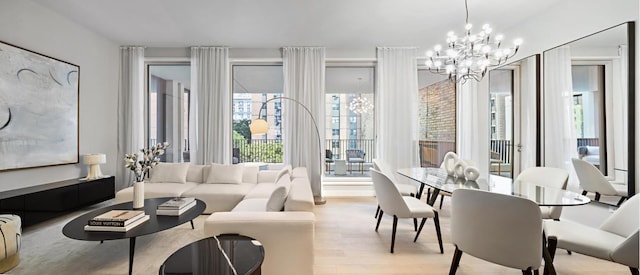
(397, 106)
(210, 128)
(528, 127)
(620, 114)
(560, 144)
(304, 82)
(130, 109)
(473, 123)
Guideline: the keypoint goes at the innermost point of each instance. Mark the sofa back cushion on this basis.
(169, 172)
(196, 173)
(277, 198)
(250, 174)
(220, 173)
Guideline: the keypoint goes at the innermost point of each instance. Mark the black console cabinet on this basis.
(39, 203)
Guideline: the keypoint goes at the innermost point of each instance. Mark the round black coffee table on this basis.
(205, 257)
(75, 228)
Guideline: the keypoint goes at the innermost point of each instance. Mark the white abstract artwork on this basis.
(38, 109)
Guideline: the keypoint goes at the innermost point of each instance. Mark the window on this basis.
(436, 117)
(344, 128)
(168, 93)
(253, 85)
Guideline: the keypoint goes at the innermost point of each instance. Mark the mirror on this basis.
(587, 113)
(513, 97)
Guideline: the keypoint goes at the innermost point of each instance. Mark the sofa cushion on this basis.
(251, 205)
(156, 190)
(169, 172)
(220, 173)
(277, 198)
(300, 197)
(219, 197)
(261, 191)
(196, 173)
(250, 174)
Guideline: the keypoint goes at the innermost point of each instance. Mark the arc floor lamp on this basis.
(260, 126)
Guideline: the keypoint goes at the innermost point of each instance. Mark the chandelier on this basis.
(469, 56)
(360, 105)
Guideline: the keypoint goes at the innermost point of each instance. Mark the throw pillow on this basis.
(220, 173)
(277, 198)
(169, 172)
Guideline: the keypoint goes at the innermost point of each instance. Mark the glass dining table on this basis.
(438, 179)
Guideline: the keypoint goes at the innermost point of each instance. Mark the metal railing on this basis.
(432, 152)
(501, 150)
(588, 142)
(270, 150)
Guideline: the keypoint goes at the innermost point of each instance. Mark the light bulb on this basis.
(472, 37)
(437, 63)
(485, 26)
(488, 30)
(468, 26)
(486, 49)
(506, 51)
(452, 53)
(450, 33)
(517, 42)
(498, 54)
(437, 48)
(468, 62)
(499, 37)
(450, 68)
(428, 63)
(429, 53)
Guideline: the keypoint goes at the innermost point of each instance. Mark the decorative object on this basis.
(260, 127)
(470, 56)
(38, 109)
(450, 159)
(94, 161)
(471, 173)
(141, 168)
(360, 105)
(458, 169)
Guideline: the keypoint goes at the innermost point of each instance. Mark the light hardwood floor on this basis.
(345, 244)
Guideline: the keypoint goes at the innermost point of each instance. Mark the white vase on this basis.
(138, 194)
(449, 161)
(458, 168)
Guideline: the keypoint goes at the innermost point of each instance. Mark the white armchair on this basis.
(547, 177)
(393, 203)
(498, 228)
(615, 240)
(592, 180)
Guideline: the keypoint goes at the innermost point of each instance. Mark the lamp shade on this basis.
(94, 159)
(259, 127)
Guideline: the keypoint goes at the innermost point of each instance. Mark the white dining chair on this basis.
(393, 203)
(615, 240)
(592, 180)
(405, 189)
(546, 177)
(498, 228)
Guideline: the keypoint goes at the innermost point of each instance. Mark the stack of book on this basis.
(176, 206)
(117, 221)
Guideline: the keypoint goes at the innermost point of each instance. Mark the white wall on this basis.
(574, 19)
(31, 26)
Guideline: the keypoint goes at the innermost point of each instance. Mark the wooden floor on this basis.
(346, 243)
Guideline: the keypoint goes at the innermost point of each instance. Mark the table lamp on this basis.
(94, 161)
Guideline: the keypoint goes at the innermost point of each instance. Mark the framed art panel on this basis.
(38, 109)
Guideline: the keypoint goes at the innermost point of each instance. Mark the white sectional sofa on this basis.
(274, 207)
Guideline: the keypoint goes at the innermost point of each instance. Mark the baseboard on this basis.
(347, 189)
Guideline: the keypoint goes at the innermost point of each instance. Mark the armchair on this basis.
(355, 156)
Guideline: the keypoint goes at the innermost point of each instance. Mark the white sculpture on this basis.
(449, 162)
(459, 167)
(471, 173)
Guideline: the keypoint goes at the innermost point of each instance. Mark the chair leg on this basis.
(551, 249)
(377, 211)
(419, 229)
(415, 224)
(536, 272)
(634, 271)
(584, 193)
(436, 220)
(441, 199)
(527, 271)
(393, 232)
(379, 219)
(620, 201)
(456, 261)
(597, 196)
(428, 193)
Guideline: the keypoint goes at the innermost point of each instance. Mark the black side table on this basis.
(205, 257)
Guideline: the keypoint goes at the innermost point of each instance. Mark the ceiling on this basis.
(350, 24)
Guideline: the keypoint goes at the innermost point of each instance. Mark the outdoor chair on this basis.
(355, 156)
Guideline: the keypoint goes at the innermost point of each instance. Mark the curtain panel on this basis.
(211, 100)
(528, 112)
(560, 143)
(473, 123)
(304, 76)
(397, 106)
(130, 110)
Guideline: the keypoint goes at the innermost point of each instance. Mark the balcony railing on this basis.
(270, 150)
(432, 152)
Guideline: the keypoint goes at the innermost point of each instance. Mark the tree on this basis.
(242, 127)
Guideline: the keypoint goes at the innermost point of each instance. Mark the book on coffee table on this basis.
(117, 228)
(177, 211)
(116, 218)
(176, 203)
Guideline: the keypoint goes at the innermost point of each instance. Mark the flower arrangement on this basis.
(150, 158)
